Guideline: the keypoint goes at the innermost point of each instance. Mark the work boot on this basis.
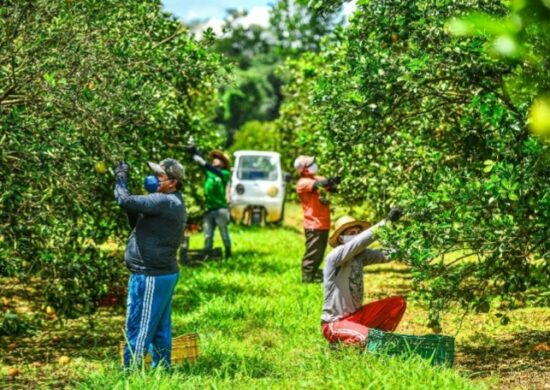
(318, 277)
(308, 277)
(227, 252)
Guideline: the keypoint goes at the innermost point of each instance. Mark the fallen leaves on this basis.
(13, 372)
(541, 347)
(64, 360)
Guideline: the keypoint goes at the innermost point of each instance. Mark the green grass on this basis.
(259, 328)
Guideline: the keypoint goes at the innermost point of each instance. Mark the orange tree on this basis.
(83, 85)
(410, 114)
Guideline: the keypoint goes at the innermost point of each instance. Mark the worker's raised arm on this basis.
(329, 184)
(346, 252)
(203, 163)
(148, 204)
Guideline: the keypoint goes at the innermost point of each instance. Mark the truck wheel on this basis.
(256, 218)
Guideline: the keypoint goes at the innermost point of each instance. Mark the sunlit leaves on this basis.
(410, 114)
(539, 117)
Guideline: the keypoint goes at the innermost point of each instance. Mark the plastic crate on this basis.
(438, 349)
(114, 297)
(190, 257)
(184, 349)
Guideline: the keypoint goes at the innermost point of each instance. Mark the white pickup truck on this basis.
(258, 185)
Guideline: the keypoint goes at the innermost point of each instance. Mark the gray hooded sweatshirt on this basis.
(343, 275)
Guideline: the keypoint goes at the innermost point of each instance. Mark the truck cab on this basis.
(258, 186)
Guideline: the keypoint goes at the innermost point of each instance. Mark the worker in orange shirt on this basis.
(311, 190)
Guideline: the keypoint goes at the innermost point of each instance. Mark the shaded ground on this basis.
(86, 341)
(519, 359)
(515, 356)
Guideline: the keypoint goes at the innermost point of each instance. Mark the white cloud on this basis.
(349, 8)
(192, 15)
(256, 16)
(216, 25)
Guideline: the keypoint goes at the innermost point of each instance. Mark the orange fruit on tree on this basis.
(100, 167)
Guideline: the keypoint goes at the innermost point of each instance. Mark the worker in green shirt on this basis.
(218, 175)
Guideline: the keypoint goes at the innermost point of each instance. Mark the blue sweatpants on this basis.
(148, 322)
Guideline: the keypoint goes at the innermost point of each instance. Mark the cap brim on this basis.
(219, 154)
(333, 240)
(156, 168)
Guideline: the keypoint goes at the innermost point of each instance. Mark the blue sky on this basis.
(208, 9)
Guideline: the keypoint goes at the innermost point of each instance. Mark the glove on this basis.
(199, 159)
(332, 182)
(122, 170)
(335, 180)
(395, 213)
(192, 149)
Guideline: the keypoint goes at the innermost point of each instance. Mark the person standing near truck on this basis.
(218, 175)
(316, 214)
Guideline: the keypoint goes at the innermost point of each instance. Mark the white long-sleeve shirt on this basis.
(343, 274)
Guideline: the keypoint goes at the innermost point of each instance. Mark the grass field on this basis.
(259, 328)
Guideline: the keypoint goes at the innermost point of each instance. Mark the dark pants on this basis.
(316, 243)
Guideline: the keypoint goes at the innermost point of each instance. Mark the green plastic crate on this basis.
(439, 349)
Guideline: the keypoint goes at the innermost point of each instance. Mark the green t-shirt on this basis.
(214, 189)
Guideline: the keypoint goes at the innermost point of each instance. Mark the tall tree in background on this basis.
(255, 91)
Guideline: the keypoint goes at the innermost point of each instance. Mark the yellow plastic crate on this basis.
(184, 349)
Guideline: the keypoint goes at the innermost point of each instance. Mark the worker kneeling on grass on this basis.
(345, 319)
(157, 222)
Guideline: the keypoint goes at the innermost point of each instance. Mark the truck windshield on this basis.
(257, 168)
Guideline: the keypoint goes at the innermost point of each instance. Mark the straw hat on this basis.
(222, 156)
(342, 224)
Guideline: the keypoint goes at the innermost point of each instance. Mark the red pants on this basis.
(384, 314)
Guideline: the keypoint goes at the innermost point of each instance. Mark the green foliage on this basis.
(409, 114)
(324, 6)
(297, 28)
(83, 85)
(299, 133)
(523, 38)
(252, 95)
(255, 135)
(255, 91)
(13, 325)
